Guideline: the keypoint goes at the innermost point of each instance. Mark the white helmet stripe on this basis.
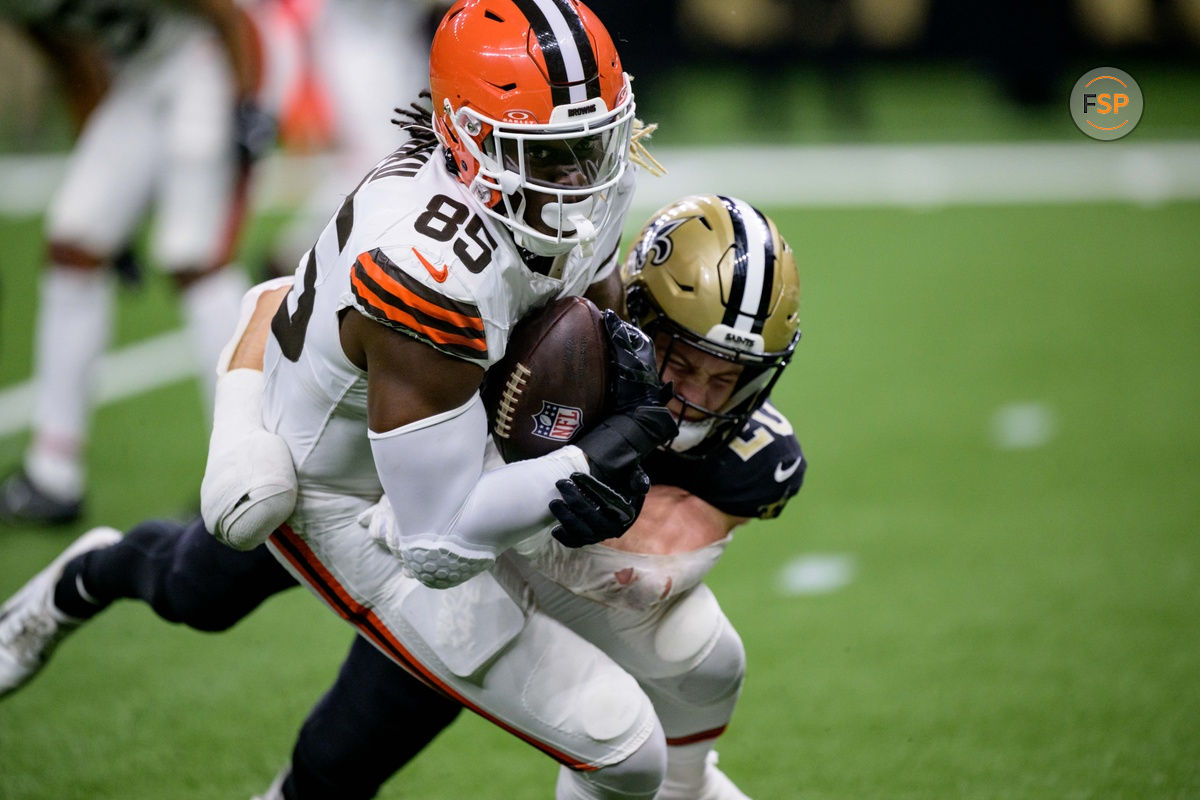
(564, 29)
(754, 257)
(567, 47)
(756, 272)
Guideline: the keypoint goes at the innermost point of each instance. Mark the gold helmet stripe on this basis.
(754, 267)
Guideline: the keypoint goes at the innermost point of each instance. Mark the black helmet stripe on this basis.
(753, 267)
(574, 76)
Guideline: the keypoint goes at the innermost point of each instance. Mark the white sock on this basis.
(211, 307)
(692, 774)
(685, 769)
(74, 322)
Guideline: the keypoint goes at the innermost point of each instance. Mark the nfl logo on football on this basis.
(557, 422)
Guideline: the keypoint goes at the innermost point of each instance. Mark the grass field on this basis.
(1022, 622)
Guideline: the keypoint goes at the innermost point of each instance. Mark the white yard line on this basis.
(130, 371)
(1022, 426)
(814, 574)
(933, 175)
(918, 175)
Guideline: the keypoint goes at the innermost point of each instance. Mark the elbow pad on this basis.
(452, 519)
(249, 487)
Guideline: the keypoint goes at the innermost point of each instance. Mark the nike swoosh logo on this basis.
(438, 275)
(782, 473)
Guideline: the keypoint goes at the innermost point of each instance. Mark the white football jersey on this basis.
(410, 249)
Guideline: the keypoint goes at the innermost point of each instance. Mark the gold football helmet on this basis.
(714, 272)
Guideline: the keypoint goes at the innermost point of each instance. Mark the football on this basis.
(552, 383)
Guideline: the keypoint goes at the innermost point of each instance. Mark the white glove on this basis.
(381, 525)
(425, 558)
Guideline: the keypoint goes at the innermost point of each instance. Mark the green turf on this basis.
(1021, 624)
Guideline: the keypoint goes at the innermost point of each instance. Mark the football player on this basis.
(723, 342)
(714, 283)
(515, 195)
(165, 97)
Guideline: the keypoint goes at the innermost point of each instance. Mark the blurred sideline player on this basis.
(340, 68)
(736, 458)
(162, 93)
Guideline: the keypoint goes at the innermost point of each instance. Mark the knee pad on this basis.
(719, 675)
(638, 777)
(699, 702)
(689, 629)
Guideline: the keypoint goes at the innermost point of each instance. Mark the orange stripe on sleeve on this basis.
(389, 283)
(409, 321)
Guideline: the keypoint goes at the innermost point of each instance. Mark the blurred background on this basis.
(990, 584)
(829, 70)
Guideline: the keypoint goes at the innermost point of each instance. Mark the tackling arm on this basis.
(674, 543)
(249, 486)
(674, 521)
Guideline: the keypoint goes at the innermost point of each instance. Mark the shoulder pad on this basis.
(394, 294)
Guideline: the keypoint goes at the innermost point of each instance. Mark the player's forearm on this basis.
(249, 485)
(250, 348)
(674, 521)
(453, 519)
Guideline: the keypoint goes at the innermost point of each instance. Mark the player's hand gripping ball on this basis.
(552, 383)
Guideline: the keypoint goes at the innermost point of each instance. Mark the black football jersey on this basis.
(752, 476)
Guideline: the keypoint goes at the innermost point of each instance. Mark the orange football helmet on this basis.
(531, 103)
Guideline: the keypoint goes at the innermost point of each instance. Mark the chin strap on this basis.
(578, 217)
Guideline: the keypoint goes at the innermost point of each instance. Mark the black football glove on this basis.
(591, 511)
(633, 369)
(254, 132)
(639, 420)
(616, 446)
